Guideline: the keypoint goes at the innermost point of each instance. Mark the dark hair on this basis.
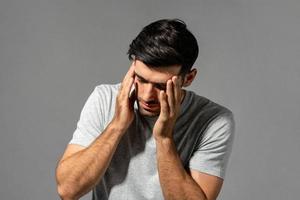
(163, 43)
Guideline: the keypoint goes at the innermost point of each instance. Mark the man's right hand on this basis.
(124, 111)
(73, 180)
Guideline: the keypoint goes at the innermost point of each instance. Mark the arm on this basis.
(176, 182)
(81, 168)
(78, 173)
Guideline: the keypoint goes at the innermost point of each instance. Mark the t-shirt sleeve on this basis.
(90, 123)
(211, 156)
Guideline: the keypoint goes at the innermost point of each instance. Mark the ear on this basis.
(189, 77)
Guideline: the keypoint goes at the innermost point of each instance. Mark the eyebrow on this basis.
(142, 78)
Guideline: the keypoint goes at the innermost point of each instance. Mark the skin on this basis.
(158, 92)
(148, 83)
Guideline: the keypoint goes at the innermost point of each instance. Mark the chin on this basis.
(148, 113)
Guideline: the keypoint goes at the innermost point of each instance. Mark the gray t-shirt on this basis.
(203, 135)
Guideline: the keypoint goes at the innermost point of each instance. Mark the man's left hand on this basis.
(170, 102)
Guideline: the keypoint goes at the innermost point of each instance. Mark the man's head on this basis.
(163, 49)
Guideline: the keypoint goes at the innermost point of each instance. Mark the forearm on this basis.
(176, 183)
(79, 173)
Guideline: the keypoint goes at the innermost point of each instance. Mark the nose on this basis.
(149, 92)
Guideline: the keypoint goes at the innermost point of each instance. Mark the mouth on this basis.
(150, 107)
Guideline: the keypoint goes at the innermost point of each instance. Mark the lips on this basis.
(149, 106)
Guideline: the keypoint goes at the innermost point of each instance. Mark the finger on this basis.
(132, 96)
(130, 73)
(133, 91)
(177, 89)
(170, 96)
(127, 82)
(127, 86)
(164, 108)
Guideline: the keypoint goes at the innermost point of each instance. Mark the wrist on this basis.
(166, 136)
(165, 141)
(115, 127)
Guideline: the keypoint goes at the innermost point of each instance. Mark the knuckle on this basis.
(172, 114)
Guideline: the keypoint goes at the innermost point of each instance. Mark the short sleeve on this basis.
(90, 123)
(212, 154)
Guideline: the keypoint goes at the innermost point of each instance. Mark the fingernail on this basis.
(175, 79)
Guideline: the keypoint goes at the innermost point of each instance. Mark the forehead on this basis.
(157, 74)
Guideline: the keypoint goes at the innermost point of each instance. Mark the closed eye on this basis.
(160, 87)
(142, 80)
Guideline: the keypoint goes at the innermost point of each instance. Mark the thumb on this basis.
(132, 97)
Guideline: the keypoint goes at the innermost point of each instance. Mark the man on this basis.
(147, 137)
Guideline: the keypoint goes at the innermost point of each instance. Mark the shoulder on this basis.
(105, 92)
(208, 109)
(220, 125)
(107, 88)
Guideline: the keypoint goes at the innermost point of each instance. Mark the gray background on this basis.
(54, 52)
